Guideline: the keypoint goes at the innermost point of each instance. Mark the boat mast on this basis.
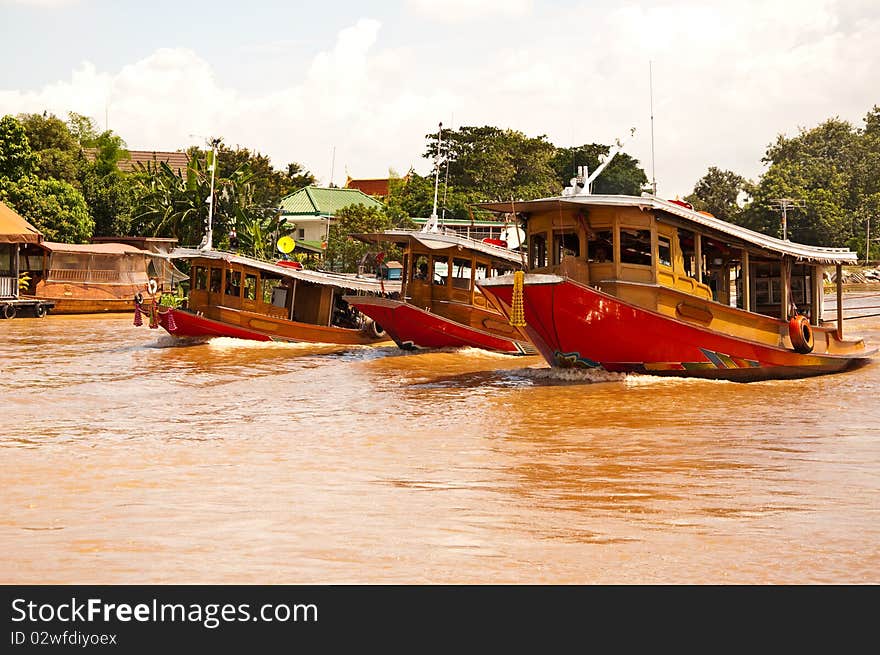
(432, 225)
(651, 87)
(207, 242)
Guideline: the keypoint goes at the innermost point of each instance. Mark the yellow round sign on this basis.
(286, 245)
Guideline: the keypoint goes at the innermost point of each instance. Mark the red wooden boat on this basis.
(441, 307)
(640, 284)
(235, 296)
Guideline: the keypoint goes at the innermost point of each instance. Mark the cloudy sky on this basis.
(353, 87)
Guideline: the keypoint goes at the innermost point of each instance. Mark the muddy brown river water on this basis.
(129, 459)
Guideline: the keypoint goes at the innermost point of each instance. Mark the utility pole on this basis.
(784, 204)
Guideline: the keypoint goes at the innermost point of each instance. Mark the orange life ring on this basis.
(801, 334)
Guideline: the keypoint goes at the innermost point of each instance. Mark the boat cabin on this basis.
(21, 259)
(221, 281)
(440, 270)
(666, 257)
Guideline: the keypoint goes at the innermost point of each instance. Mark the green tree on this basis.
(17, 159)
(54, 207)
(412, 196)
(867, 215)
(297, 177)
(168, 205)
(109, 198)
(344, 253)
(258, 232)
(488, 163)
(622, 176)
(816, 167)
(718, 193)
(108, 148)
(57, 150)
(82, 128)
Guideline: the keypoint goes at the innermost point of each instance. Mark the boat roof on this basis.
(441, 241)
(816, 254)
(15, 229)
(341, 280)
(95, 248)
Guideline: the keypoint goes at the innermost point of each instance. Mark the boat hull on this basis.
(89, 305)
(413, 328)
(256, 327)
(577, 326)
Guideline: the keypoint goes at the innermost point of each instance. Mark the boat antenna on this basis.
(445, 189)
(332, 165)
(207, 241)
(432, 224)
(651, 88)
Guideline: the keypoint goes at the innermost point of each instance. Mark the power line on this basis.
(783, 205)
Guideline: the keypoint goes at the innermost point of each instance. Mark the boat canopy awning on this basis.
(440, 241)
(814, 254)
(95, 248)
(15, 229)
(348, 281)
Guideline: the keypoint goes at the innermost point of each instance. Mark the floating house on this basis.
(21, 254)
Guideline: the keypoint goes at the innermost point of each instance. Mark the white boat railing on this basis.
(8, 287)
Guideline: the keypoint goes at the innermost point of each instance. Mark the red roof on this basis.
(372, 187)
(176, 160)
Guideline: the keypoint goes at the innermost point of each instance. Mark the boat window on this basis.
(538, 249)
(420, 268)
(635, 246)
(664, 251)
(600, 246)
(461, 273)
(268, 286)
(30, 262)
(215, 280)
(481, 270)
(200, 277)
(6, 261)
(233, 283)
(501, 269)
(566, 244)
(441, 270)
(688, 252)
(250, 287)
(801, 287)
(714, 256)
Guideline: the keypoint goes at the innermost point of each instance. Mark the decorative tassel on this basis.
(517, 309)
(154, 317)
(138, 321)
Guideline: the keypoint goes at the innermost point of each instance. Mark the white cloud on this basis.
(49, 4)
(727, 80)
(462, 11)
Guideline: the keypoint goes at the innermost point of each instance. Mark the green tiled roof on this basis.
(310, 246)
(319, 201)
